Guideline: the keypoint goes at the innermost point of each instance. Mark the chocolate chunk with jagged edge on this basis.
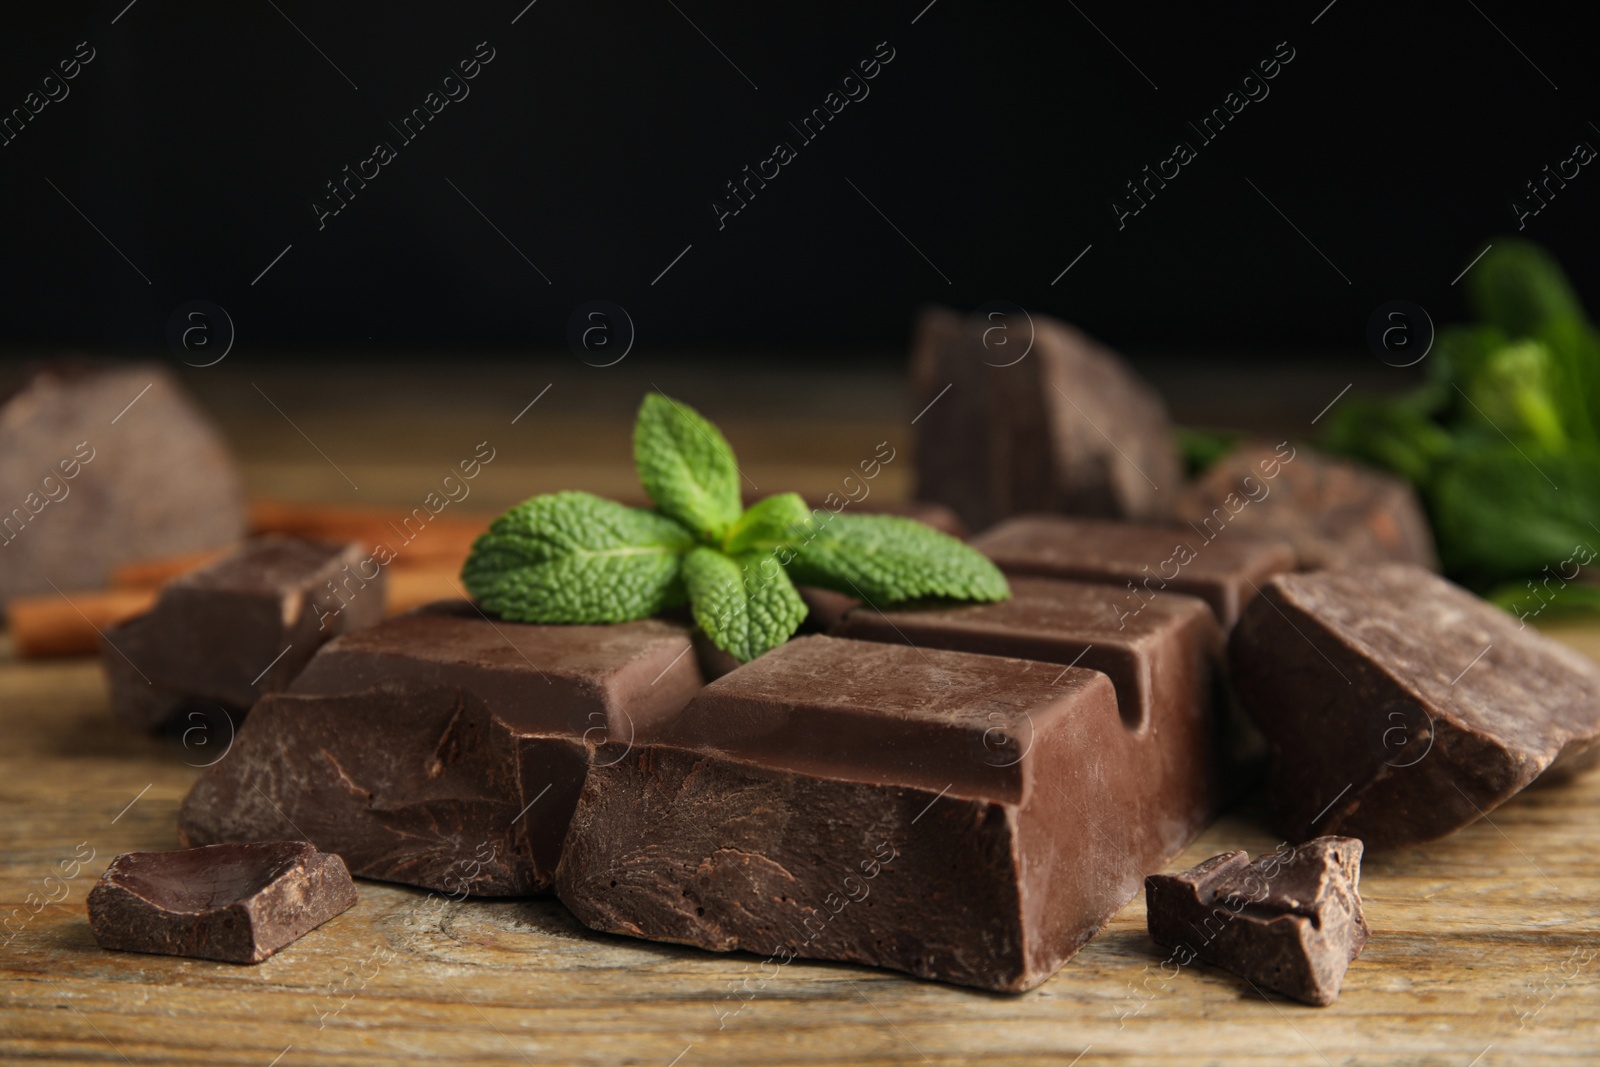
(1333, 512)
(1162, 661)
(1021, 413)
(1223, 569)
(1290, 922)
(238, 903)
(103, 464)
(1399, 707)
(968, 818)
(441, 748)
(227, 633)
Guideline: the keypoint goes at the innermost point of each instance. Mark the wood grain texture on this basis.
(1498, 919)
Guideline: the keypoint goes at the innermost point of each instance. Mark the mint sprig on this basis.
(577, 558)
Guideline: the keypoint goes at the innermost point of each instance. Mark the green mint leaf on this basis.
(577, 558)
(885, 559)
(766, 525)
(746, 605)
(686, 467)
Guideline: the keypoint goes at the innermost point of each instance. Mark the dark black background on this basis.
(600, 134)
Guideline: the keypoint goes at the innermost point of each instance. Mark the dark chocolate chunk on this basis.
(1063, 425)
(102, 464)
(1290, 922)
(225, 634)
(441, 748)
(1399, 707)
(235, 903)
(1223, 569)
(973, 819)
(1162, 661)
(1335, 513)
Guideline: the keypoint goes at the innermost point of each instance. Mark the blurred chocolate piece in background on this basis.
(101, 464)
(1140, 560)
(227, 633)
(1023, 413)
(1335, 513)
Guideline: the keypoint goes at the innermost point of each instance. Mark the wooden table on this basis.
(1484, 948)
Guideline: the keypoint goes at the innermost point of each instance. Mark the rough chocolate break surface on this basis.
(442, 748)
(1399, 707)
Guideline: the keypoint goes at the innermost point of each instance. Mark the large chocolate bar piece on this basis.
(1223, 569)
(1335, 513)
(1399, 707)
(968, 818)
(235, 903)
(101, 464)
(244, 626)
(1011, 423)
(441, 748)
(1162, 661)
(1290, 922)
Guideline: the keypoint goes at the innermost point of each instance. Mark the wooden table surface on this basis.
(1485, 947)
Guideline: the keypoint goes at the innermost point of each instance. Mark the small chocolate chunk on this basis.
(238, 903)
(1335, 513)
(441, 748)
(102, 464)
(1162, 661)
(1399, 707)
(1051, 422)
(968, 818)
(1223, 569)
(225, 634)
(1290, 922)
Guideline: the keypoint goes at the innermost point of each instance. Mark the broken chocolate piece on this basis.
(1290, 922)
(1162, 661)
(1399, 707)
(223, 635)
(972, 819)
(1141, 560)
(1335, 513)
(441, 748)
(1063, 425)
(101, 464)
(235, 903)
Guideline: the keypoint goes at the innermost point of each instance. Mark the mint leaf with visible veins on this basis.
(767, 524)
(886, 558)
(577, 558)
(746, 605)
(686, 467)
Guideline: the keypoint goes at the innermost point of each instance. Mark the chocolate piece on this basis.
(101, 464)
(235, 903)
(1224, 571)
(1334, 513)
(223, 635)
(1162, 661)
(1399, 707)
(1291, 921)
(441, 748)
(973, 819)
(1064, 425)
